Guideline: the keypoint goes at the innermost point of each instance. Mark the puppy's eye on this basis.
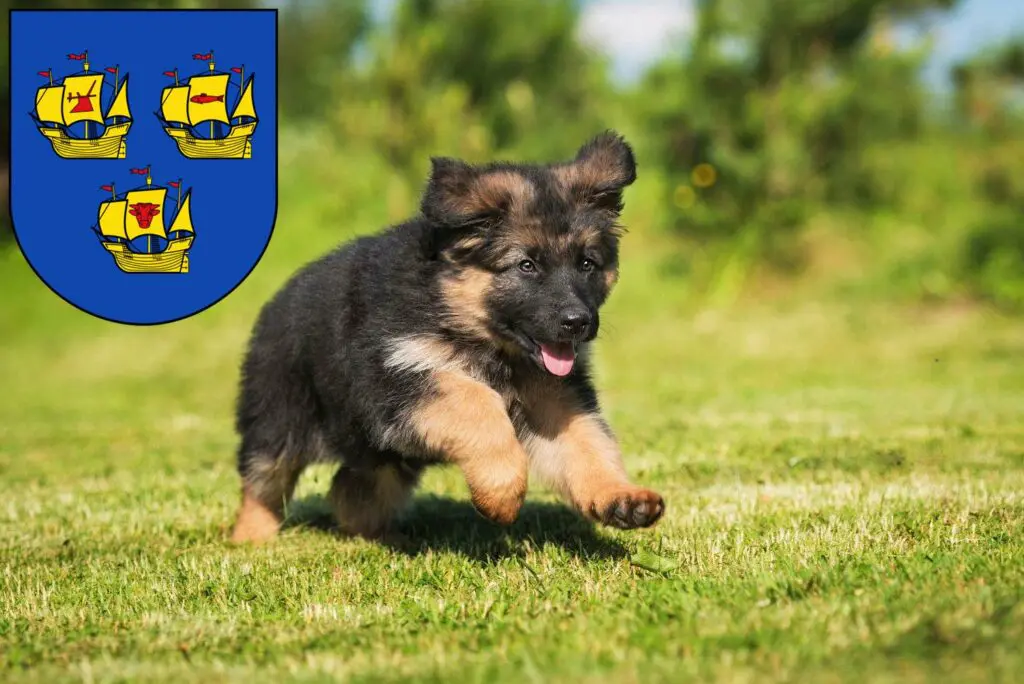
(588, 265)
(527, 266)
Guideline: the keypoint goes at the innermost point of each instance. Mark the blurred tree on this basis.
(990, 101)
(475, 77)
(317, 43)
(989, 87)
(780, 97)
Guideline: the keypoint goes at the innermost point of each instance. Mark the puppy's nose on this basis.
(576, 321)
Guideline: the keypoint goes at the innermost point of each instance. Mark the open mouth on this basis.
(558, 358)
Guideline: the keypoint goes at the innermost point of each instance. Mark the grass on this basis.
(845, 484)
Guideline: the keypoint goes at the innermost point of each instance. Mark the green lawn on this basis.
(845, 489)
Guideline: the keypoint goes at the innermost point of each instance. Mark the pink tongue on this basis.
(558, 358)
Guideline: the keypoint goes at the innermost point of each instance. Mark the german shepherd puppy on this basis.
(460, 336)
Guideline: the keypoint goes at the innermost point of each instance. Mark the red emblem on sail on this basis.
(144, 212)
(84, 103)
(203, 98)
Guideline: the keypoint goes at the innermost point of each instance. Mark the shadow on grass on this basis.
(437, 524)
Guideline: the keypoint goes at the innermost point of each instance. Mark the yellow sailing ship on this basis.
(131, 228)
(78, 98)
(203, 99)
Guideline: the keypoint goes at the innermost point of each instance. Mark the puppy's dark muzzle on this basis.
(576, 325)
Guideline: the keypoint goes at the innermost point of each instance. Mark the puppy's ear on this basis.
(459, 194)
(600, 171)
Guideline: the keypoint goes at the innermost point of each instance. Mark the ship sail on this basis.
(82, 98)
(174, 104)
(119, 107)
(206, 99)
(49, 104)
(145, 213)
(112, 218)
(200, 100)
(245, 106)
(183, 220)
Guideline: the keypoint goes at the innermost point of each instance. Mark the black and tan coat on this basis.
(458, 337)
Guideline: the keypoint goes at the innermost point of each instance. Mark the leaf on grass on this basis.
(653, 562)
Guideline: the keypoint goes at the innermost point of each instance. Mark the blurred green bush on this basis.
(778, 133)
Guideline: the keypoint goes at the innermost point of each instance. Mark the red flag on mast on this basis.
(201, 56)
(237, 70)
(174, 184)
(111, 70)
(108, 188)
(80, 56)
(141, 172)
(44, 73)
(169, 73)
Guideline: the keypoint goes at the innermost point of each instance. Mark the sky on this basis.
(635, 33)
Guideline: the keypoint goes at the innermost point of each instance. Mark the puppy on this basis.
(460, 336)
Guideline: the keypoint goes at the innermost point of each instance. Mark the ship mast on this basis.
(241, 85)
(117, 73)
(212, 68)
(85, 67)
(149, 181)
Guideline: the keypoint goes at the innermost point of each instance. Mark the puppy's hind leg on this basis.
(367, 500)
(277, 421)
(268, 481)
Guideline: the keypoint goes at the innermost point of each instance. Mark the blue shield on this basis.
(143, 155)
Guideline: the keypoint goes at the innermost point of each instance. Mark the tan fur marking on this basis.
(528, 234)
(568, 447)
(271, 480)
(491, 191)
(465, 296)
(467, 422)
(569, 178)
(611, 276)
(574, 451)
(268, 485)
(256, 523)
(587, 236)
(601, 168)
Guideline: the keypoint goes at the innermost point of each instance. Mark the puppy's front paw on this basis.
(498, 487)
(628, 508)
(500, 505)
